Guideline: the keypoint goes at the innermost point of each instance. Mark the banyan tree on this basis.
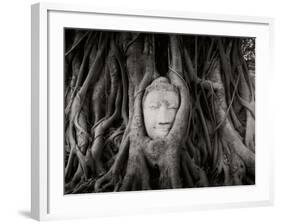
(148, 111)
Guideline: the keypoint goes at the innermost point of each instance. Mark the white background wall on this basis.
(15, 111)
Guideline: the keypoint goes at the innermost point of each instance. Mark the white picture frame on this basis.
(47, 198)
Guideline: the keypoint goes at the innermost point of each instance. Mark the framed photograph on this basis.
(148, 111)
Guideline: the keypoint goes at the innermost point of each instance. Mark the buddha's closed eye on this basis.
(172, 107)
(154, 106)
(157, 106)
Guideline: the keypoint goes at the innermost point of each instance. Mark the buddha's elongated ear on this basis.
(180, 125)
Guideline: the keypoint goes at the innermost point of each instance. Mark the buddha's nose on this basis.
(163, 116)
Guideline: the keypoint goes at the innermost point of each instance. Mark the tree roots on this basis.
(212, 140)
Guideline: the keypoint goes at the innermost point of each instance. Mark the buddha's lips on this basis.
(163, 128)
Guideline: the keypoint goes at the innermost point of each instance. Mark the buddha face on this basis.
(159, 109)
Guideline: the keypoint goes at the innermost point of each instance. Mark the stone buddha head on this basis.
(160, 105)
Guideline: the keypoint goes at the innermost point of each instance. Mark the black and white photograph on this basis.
(154, 111)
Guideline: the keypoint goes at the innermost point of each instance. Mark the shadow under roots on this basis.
(154, 177)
